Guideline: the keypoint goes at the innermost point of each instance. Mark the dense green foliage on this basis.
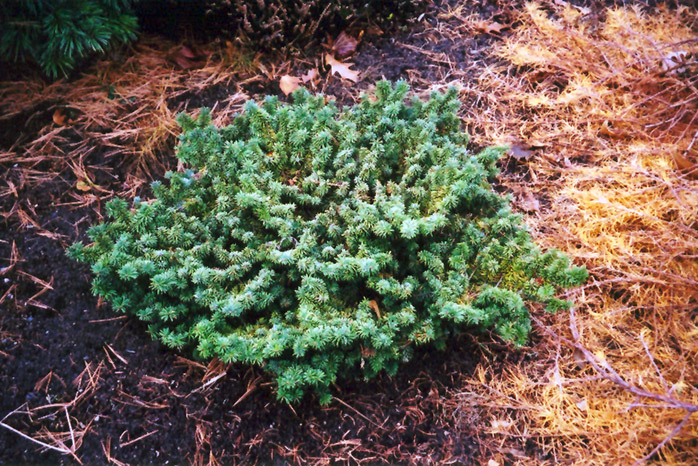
(272, 24)
(57, 34)
(317, 242)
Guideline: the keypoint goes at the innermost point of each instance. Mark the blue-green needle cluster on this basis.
(317, 242)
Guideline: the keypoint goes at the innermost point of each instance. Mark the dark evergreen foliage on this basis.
(57, 34)
(270, 24)
(320, 243)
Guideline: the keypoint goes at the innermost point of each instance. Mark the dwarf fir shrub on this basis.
(57, 34)
(319, 243)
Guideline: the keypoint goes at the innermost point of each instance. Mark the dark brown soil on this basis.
(52, 329)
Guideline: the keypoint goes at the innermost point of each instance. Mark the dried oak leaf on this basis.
(564, 4)
(83, 186)
(289, 84)
(529, 203)
(341, 69)
(344, 45)
(310, 76)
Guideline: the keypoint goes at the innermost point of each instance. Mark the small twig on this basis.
(99, 321)
(668, 438)
(357, 412)
(605, 370)
(106, 448)
(121, 358)
(130, 442)
(65, 451)
(654, 364)
(210, 382)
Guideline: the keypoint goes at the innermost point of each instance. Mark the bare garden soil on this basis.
(83, 379)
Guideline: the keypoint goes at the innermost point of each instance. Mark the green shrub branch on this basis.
(57, 34)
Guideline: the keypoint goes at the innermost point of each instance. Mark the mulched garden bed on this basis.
(80, 378)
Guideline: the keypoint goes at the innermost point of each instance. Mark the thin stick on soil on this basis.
(130, 442)
(357, 412)
(64, 450)
(668, 438)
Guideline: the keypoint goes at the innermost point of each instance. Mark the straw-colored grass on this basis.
(610, 125)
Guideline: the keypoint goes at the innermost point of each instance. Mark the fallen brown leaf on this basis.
(519, 152)
(582, 10)
(579, 358)
(344, 44)
(187, 52)
(341, 69)
(529, 203)
(583, 405)
(60, 117)
(310, 76)
(184, 62)
(489, 27)
(83, 186)
(289, 84)
(186, 58)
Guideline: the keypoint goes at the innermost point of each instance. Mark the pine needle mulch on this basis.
(121, 111)
(601, 114)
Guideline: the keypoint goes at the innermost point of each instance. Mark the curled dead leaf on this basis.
(579, 358)
(289, 84)
(187, 52)
(529, 203)
(564, 4)
(342, 69)
(83, 186)
(60, 117)
(499, 425)
(345, 44)
(685, 165)
(187, 58)
(611, 130)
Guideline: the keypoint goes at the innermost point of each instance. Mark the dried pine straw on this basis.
(113, 110)
(608, 111)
